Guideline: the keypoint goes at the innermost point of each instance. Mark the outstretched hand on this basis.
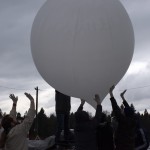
(97, 99)
(122, 94)
(14, 98)
(29, 96)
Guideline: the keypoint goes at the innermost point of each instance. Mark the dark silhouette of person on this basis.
(62, 108)
(124, 136)
(141, 138)
(105, 134)
(86, 127)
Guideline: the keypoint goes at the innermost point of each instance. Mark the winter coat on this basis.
(125, 132)
(105, 136)
(85, 130)
(17, 136)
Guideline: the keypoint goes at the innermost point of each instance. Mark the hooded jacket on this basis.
(85, 130)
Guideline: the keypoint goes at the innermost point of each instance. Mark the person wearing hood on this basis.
(86, 127)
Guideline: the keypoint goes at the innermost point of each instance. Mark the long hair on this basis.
(6, 124)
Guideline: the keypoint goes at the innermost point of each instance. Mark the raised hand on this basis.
(111, 90)
(29, 96)
(97, 99)
(14, 98)
(122, 94)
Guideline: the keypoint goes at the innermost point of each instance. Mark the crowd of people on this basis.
(123, 132)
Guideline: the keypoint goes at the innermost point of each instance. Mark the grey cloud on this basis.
(140, 17)
(137, 85)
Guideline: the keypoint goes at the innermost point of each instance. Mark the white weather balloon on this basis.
(82, 47)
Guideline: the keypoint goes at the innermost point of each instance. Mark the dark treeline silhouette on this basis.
(47, 124)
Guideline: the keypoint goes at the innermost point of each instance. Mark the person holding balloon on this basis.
(124, 136)
(86, 127)
(105, 132)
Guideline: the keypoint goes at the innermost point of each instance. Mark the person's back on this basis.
(17, 136)
(85, 135)
(105, 136)
(85, 129)
(125, 134)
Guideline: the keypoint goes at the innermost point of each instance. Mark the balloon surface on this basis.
(82, 47)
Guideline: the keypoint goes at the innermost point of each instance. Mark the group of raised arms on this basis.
(14, 134)
(123, 132)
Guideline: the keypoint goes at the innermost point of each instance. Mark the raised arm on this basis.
(115, 107)
(80, 108)
(112, 99)
(27, 122)
(13, 110)
(125, 103)
(32, 104)
(99, 107)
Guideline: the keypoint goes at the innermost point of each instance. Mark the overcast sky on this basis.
(18, 73)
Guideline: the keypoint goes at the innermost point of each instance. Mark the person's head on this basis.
(82, 116)
(128, 111)
(103, 118)
(8, 122)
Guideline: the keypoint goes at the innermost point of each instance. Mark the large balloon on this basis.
(82, 47)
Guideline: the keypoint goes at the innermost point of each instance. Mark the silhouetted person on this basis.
(125, 133)
(62, 108)
(14, 136)
(86, 127)
(141, 139)
(105, 134)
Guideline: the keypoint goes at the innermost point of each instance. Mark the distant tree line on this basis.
(45, 126)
